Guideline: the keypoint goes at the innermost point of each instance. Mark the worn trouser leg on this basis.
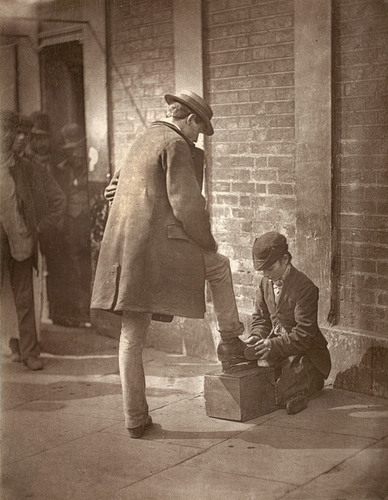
(132, 341)
(23, 292)
(298, 376)
(231, 349)
(219, 276)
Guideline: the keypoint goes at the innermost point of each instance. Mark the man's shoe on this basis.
(137, 432)
(250, 352)
(15, 350)
(16, 358)
(231, 354)
(33, 363)
(296, 404)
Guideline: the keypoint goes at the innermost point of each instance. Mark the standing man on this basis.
(31, 204)
(39, 152)
(72, 299)
(158, 249)
(23, 136)
(284, 332)
(39, 147)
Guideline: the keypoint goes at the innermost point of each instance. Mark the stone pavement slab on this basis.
(363, 477)
(90, 467)
(64, 436)
(341, 412)
(293, 456)
(195, 483)
(109, 407)
(185, 423)
(27, 433)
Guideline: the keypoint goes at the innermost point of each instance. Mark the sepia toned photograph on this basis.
(194, 249)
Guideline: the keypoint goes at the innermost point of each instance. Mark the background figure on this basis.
(9, 321)
(39, 152)
(23, 136)
(31, 204)
(39, 148)
(72, 176)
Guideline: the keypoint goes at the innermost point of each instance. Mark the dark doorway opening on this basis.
(68, 261)
(63, 86)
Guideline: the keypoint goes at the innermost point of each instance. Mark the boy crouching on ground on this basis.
(285, 333)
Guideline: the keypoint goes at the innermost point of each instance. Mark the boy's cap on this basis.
(267, 249)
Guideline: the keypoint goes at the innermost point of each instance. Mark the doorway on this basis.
(68, 258)
(62, 83)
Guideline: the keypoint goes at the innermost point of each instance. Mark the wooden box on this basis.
(240, 396)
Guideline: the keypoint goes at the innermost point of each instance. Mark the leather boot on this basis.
(231, 354)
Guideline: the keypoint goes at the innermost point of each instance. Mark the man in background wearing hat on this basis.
(23, 136)
(39, 146)
(40, 152)
(71, 296)
(284, 332)
(31, 204)
(158, 248)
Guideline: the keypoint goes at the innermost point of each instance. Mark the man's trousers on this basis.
(134, 334)
(21, 278)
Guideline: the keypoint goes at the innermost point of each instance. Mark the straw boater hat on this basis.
(197, 104)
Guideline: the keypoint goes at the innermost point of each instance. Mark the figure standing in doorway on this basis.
(72, 176)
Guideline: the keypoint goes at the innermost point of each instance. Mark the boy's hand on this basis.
(257, 348)
(263, 349)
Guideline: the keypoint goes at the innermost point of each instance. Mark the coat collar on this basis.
(175, 128)
(289, 282)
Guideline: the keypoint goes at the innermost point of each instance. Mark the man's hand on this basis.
(263, 349)
(253, 340)
(110, 191)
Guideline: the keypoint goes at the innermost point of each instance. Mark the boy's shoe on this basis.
(33, 363)
(15, 350)
(137, 432)
(296, 404)
(231, 354)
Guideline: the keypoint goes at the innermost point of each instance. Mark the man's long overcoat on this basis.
(151, 257)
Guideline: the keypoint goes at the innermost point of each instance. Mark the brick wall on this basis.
(361, 162)
(141, 67)
(249, 81)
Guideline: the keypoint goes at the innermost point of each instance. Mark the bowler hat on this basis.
(267, 249)
(197, 104)
(9, 120)
(40, 123)
(25, 124)
(73, 136)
